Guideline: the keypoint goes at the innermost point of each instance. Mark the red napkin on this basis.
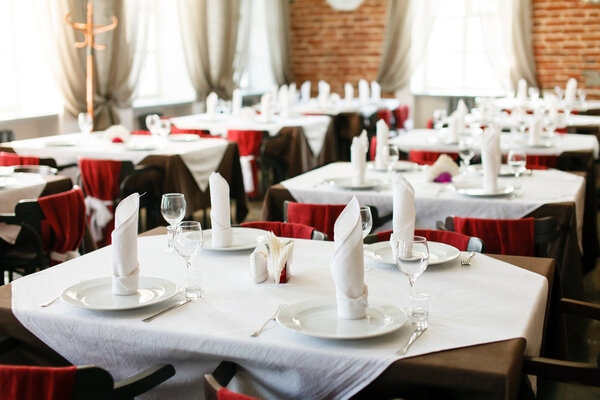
(320, 216)
(282, 229)
(9, 159)
(385, 115)
(548, 161)
(455, 239)
(144, 133)
(501, 236)
(428, 157)
(226, 394)
(36, 383)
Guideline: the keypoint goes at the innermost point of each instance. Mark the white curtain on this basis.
(496, 28)
(523, 63)
(278, 33)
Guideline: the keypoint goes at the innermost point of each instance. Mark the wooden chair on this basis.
(474, 244)
(215, 383)
(88, 382)
(287, 229)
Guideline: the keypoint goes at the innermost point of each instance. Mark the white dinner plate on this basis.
(346, 184)
(477, 191)
(96, 294)
(243, 239)
(319, 318)
(184, 137)
(60, 143)
(399, 166)
(438, 252)
(505, 170)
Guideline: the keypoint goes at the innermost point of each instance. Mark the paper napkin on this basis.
(358, 150)
(280, 257)
(381, 152)
(347, 264)
(305, 92)
(220, 212)
(348, 91)
(375, 91)
(490, 159)
(443, 165)
(125, 266)
(236, 103)
(211, 106)
(404, 214)
(363, 91)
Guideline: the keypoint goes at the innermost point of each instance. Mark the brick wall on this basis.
(337, 46)
(566, 38)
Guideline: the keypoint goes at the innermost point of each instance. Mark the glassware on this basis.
(582, 95)
(466, 153)
(86, 123)
(418, 307)
(412, 258)
(163, 127)
(188, 242)
(517, 160)
(152, 123)
(393, 154)
(172, 208)
(438, 118)
(534, 93)
(366, 220)
(559, 92)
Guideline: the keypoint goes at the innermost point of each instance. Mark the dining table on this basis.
(186, 163)
(483, 320)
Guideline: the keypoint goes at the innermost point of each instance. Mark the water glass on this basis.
(86, 123)
(392, 156)
(366, 220)
(163, 128)
(172, 208)
(188, 242)
(152, 121)
(418, 307)
(412, 257)
(517, 160)
(466, 153)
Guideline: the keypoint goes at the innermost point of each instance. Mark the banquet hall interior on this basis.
(228, 198)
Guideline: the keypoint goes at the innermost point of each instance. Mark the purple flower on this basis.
(444, 177)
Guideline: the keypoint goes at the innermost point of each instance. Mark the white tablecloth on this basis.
(19, 186)
(366, 109)
(202, 156)
(435, 201)
(511, 103)
(490, 301)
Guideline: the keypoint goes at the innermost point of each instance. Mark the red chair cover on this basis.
(401, 115)
(385, 115)
(373, 148)
(320, 216)
(428, 157)
(430, 123)
(9, 159)
(283, 229)
(501, 236)
(226, 394)
(550, 161)
(36, 383)
(200, 132)
(455, 239)
(65, 216)
(249, 145)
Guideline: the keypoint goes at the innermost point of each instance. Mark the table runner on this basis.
(491, 301)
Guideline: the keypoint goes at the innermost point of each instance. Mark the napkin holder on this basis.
(258, 264)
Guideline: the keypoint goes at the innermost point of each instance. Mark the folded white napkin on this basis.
(348, 91)
(248, 113)
(535, 130)
(452, 132)
(381, 152)
(375, 91)
(280, 257)
(571, 91)
(347, 264)
(358, 150)
(265, 107)
(324, 92)
(211, 106)
(236, 103)
(490, 159)
(404, 214)
(552, 104)
(220, 211)
(443, 164)
(292, 93)
(363, 91)
(258, 264)
(284, 102)
(522, 90)
(459, 115)
(305, 92)
(117, 132)
(125, 266)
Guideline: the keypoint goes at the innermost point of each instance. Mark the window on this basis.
(467, 49)
(258, 75)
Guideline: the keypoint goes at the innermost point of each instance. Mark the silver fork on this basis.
(49, 303)
(467, 261)
(271, 318)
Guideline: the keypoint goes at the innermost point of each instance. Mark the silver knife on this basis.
(415, 335)
(166, 310)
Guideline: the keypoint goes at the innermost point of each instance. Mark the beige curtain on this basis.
(116, 69)
(210, 42)
(278, 33)
(523, 65)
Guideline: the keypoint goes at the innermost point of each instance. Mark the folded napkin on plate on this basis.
(125, 266)
(404, 214)
(459, 115)
(258, 264)
(443, 169)
(348, 91)
(454, 124)
(358, 151)
(324, 92)
(347, 264)
(280, 257)
(363, 91)
(571, 91)
(220, 211)
(117, 134)
(292, 93)
(381, 152)
(522, 90)
(236, 103)
(305, 92)
(284, 101)
(265, 107)
(535, 131)
(490, 159)
(552, 104)
(375, 91)
(211, 106)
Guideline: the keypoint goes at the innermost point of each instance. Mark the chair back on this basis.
(386, 115)
(458, 240)
(249, 143)
(10, 159)
(541, 161)
(215, 383)
(35, 169)
(401, 115)
(423, 157)
(287, 229)
(32, 383)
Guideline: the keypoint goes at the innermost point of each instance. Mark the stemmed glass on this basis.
(163, 127)
(188, 242)
(438, 118)
(152, 121)
(172, 208)
(466, 153)
(86, 123)
(582, 95)
(366, 220)
(517, 160)
(412, 258)
(392, 154)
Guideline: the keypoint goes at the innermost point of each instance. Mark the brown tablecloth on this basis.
(490, 370)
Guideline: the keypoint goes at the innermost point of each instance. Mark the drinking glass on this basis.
(559, 92)
(393, 154)
(366, 220)
(172, 208)
(582, 95)
(163, 127)
(534, 93)
(86, 123)
(412, 258)
(438, 118)
(517, 160)
(188, 242)
(152, 123)
(418, 308)
(466, 153)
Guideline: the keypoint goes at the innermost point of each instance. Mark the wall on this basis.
(337, 46)
(566, 40)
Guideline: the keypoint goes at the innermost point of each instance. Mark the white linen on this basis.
(24, 186)
(404, 214)
(324, 92)
(265, 107)
(459, 115)
(347, 264)
(491, 159)
(571, 91)
(454, 122)
(292, 93)
(220, 211)
(125, 266)
(375, 91)
(204, 161)
(284, 102)
(381, 151)
(236, 103)
(363, 91)
(358, 150)
(348, 91)
(211, 105)
(535, 131)
(490, 301)
(521, 91)
(305, 92)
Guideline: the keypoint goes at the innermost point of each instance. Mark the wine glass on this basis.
(188, 242)
(172, 208)
(412, 258)
(439, 116)
(163, 127)
(152, 123)
(466, 153)
(86, 123)
(366, 219)
(393, 154)
(517, 160)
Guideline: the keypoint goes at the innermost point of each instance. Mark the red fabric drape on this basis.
(455, 239)
(401, 115)
(226, 394)
(320, 216)
(249, 145)
(428, 157)
(385, 115)
(283, 229)
(9, 159)
(36, 383)
(373, 148)
(550, 161)
(501, 236)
